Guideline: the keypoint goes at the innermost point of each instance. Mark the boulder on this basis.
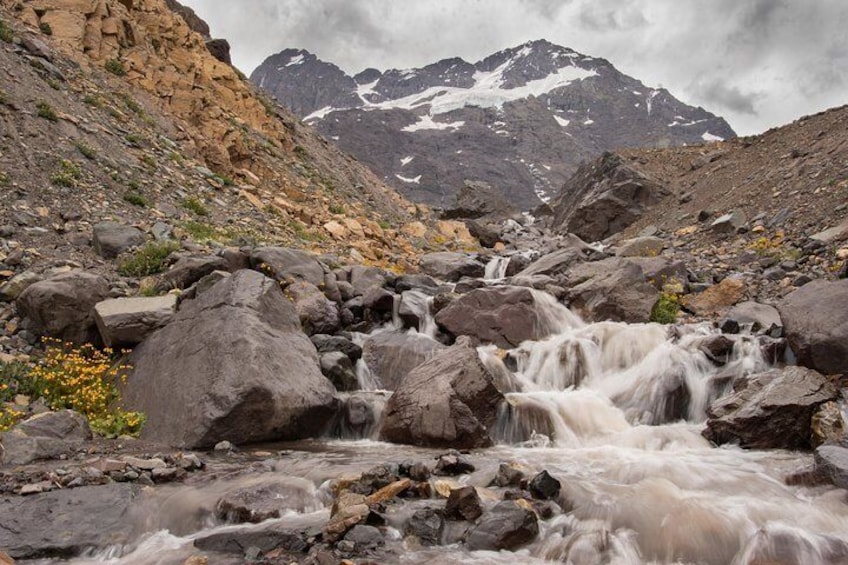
(772, 410)
(662, 271)
(338, 368)
(503, 315)
(328, 343)
(66, 523)
(188, 270)
(364, 279)
(263, 501)
(487, 236)
(62, 307)
(44, 436)
(555, 263)
(128, 321)
(110, 239)
(611, 289)
(544, 487)
(762, 316)
(464, 504)
(815, 321)
(451, 266)
(478, 199)
(717, 299)
(392, 355)
(648, 246)
(289, 265)
(427, 525)
(832, 463)
(415, 308)
(449, 400)
(233, 364)
(263, 538)
(729, 223)
(507, 526)
(13, 287)
(603, 197)
(317, 314)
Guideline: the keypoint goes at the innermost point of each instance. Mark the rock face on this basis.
(832, 462)
(816, 323)
(503, 315)
(450, 266)
(90, 518)
(478, 199)
(449, 400)
(392, 355)
(232, 365)
(612, 289)
(44, 436)
(188, 270)
(604, 197)
(507, 526)
(128, 321)
(773, 410)
(62, 306)
(520, 120)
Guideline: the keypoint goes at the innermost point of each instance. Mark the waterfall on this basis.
(496, 268)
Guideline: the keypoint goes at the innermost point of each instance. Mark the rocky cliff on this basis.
(521, 119)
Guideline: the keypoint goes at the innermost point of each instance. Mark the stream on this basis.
(613, 410)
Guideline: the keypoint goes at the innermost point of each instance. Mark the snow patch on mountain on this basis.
(426, 122)
(707, 136)
(409, 180)
(562, 121)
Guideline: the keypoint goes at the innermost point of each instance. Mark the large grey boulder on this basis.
(364, 279)
(551, 264)
(477, 199)
(44, 436)
(832, 463)
(451, 266)
(317, 314)
(507, 526)
(13, 287)
(290, 265)
(604, 197)
(110, 239)
(771, 410)
(128, 321)
(188, 270)
(232, 365)
(762, 315)
(815, 319)
(662, 271)
(66, 523)
(448, 401)
(503, 315)
(62, 306)
(611, 289)
(392, 355)
(647, 246)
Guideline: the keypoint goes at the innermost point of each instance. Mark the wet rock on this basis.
(717, 299)
(416, 282)
(544, 487)
(62, 306)
(414, 308)
(379, 304)
(110, 239)
(44, 436)
(507, 526)
(487, 236)
(451, 266)
(508, 475)
(717, 348)
(816, 325)
(729, 326)
(348, 510)
(264, 538)
(427, 525)
(329, 343)
(828, 425)
(778, 544)
(357, 417)
(417, 471)
(232, 365)
(337, 367)
(188, 270)
(449, 400)
(391, 356)
(262, 502)
(773, 410)
(128, 321)
(464, 504)
(503, 315)
(376, 478)
(364, 537)
(65, 523)
(452, 464)
(317, 314)
(611, 289)
(832, 462)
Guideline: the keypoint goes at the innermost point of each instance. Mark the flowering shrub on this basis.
(83, 379)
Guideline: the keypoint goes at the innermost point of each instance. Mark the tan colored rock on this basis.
(414, 229)
(388, 492)
(335, 229)
(83, 7)
(827, 424)
(66, 26)
(455, 231)
(444, 487)
(354, 226)
(717, 299)
(110, 26)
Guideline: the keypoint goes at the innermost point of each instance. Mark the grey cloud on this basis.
(598, 17)
(717, 93)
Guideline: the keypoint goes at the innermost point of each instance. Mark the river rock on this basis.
(503, 315)
(110, 239)
(449, 400)
(555, 263)
(773, 410)
(188, 270)
(832, 463)
(611, 289)
(762, 316)
(44, 436)
(427, 524)
(364, 279)
(816, 325)
(329, 343)
(392, 355)
(232, 365)
(240, 540)
(263, 501)
(128, 321)
(464, 504)
(507, 526)
(544, 487)
(338, 368)
(414, 308)
(317, 314)
(62, 306)
(65, 523)
(451, 266)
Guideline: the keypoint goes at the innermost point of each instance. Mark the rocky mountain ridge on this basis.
(521, 119)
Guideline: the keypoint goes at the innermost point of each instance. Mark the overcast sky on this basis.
(758, 63)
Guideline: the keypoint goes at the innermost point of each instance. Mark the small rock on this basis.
(508, 526)
(544, 487)
(464, 504)
(427, 525)
(224, 446)
(452, 464)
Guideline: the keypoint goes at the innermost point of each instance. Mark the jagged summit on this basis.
(521, 119)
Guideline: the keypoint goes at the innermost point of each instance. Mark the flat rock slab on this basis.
(128, 321)
(64, 523)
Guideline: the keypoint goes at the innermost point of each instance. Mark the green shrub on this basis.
(130, 103)
(336, 209)
(69, 174)
(148, 260)
(133, 139)
(666, 309)
(4, 179)
(193, 204)
(6, 33)
(149, 160)
(93, 100)
(54, 84)
(384, 224)
(87, 151)
(14, 380)
(200, 232)
(45, 28)
(136, 199)
(2, 97)
(46, 111)
(116, 67)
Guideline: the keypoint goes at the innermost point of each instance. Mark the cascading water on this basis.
(496, 268)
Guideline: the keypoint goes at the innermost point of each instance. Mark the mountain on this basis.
(521, 120)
